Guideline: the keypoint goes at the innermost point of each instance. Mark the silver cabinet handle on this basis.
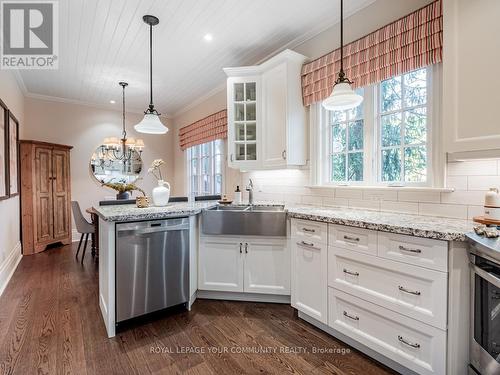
(414, 292)
(308, 230)
(231, 157)
(413, 345)
(309, 245)
(403, 248)
(246, 248)
(350, 272)
(347, 315)
(283, 154)
(241, 251)
(348, 238)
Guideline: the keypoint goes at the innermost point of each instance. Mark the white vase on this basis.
(161, 194)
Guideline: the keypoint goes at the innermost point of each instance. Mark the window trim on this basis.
(320, 123)
(211, 156)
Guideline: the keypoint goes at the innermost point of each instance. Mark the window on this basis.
(386, 139)
(347, 144)
(205, 168)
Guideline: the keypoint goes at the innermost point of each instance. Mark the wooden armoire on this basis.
(45, 195)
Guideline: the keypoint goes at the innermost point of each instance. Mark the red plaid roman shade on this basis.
(409, 43)
(205, 130)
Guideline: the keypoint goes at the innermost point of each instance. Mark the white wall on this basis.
(10, 249)
(84, 128)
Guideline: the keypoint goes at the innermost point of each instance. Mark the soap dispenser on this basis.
(237, 195)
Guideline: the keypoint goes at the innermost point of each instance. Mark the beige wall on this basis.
(12, 96)
(84, 128)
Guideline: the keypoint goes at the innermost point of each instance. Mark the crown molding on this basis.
(20, 81)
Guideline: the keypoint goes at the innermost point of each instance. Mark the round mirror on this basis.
(108, 165)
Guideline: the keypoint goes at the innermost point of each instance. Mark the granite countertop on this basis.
(439, 228)
(130, 212)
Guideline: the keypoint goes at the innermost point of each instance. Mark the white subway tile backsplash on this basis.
(335, 202)
(457, 182)
(473, 168)
(380, 194)
(316, 200)
(349, 193)
(463, 197)
(443, 210)
(419, 196)
(474, 211)
(483, 182)
(402, 207)
(364, 204)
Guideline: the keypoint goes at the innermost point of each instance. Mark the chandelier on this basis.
(114, 149)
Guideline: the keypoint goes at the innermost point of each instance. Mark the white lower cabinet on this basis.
(413, 344)
(253, 265)
(220, 265)
(309, 278)
(389, 292)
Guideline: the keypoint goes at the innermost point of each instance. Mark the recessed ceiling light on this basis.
(208, 37)
(112, 101)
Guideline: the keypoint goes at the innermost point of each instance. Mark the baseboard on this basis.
(9, 265)
(249, 297)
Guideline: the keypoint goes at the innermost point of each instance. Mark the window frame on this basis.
(211, 156)
(321, 123)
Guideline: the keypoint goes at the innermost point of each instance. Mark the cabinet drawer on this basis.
(351, 238)
(411, 343)
(310, 230)
(424, 252)
(416, 292)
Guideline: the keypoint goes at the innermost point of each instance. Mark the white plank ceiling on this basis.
(105, 41)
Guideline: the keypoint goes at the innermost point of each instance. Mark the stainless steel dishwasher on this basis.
(152, 266)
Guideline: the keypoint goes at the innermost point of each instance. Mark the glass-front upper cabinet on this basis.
(243, 121)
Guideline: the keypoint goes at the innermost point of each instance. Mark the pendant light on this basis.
(343, 96)
(151, 123)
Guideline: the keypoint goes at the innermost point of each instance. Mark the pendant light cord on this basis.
(341, 37)
(151, 66)
(124, 132)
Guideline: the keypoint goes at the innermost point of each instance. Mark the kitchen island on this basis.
(130, 217)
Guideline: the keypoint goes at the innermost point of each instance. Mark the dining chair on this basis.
(82, 226)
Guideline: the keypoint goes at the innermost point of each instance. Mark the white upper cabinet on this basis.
(470, 81)
(267, 122)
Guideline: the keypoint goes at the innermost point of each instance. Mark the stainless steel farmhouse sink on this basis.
(244, 220)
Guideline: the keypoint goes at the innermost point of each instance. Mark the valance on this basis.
(205, 130)
(409, 43)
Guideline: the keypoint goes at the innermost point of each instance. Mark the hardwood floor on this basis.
(50, 323)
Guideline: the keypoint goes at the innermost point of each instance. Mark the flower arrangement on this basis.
(155, 169)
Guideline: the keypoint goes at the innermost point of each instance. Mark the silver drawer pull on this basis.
(309, 230)
(355, 239)
(413, 345)
(346, 314)
(403, 248)
(403, 289)
(351, 272)
(304, 243)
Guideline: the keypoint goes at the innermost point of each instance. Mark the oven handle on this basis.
(487, 276)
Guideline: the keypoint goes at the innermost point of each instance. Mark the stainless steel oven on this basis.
(485, 305)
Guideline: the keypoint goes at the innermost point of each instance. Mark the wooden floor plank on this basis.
(50, 323)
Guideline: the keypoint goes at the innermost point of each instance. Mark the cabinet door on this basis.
(267, 266)
(220, 265)
(43, 195)
(243, 115)
(274, 102)
(61, 193)
(309, 278)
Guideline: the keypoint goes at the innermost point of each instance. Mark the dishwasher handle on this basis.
(154, 229)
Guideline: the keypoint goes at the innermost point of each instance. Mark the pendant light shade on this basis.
(151, 123)
(343, 96)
